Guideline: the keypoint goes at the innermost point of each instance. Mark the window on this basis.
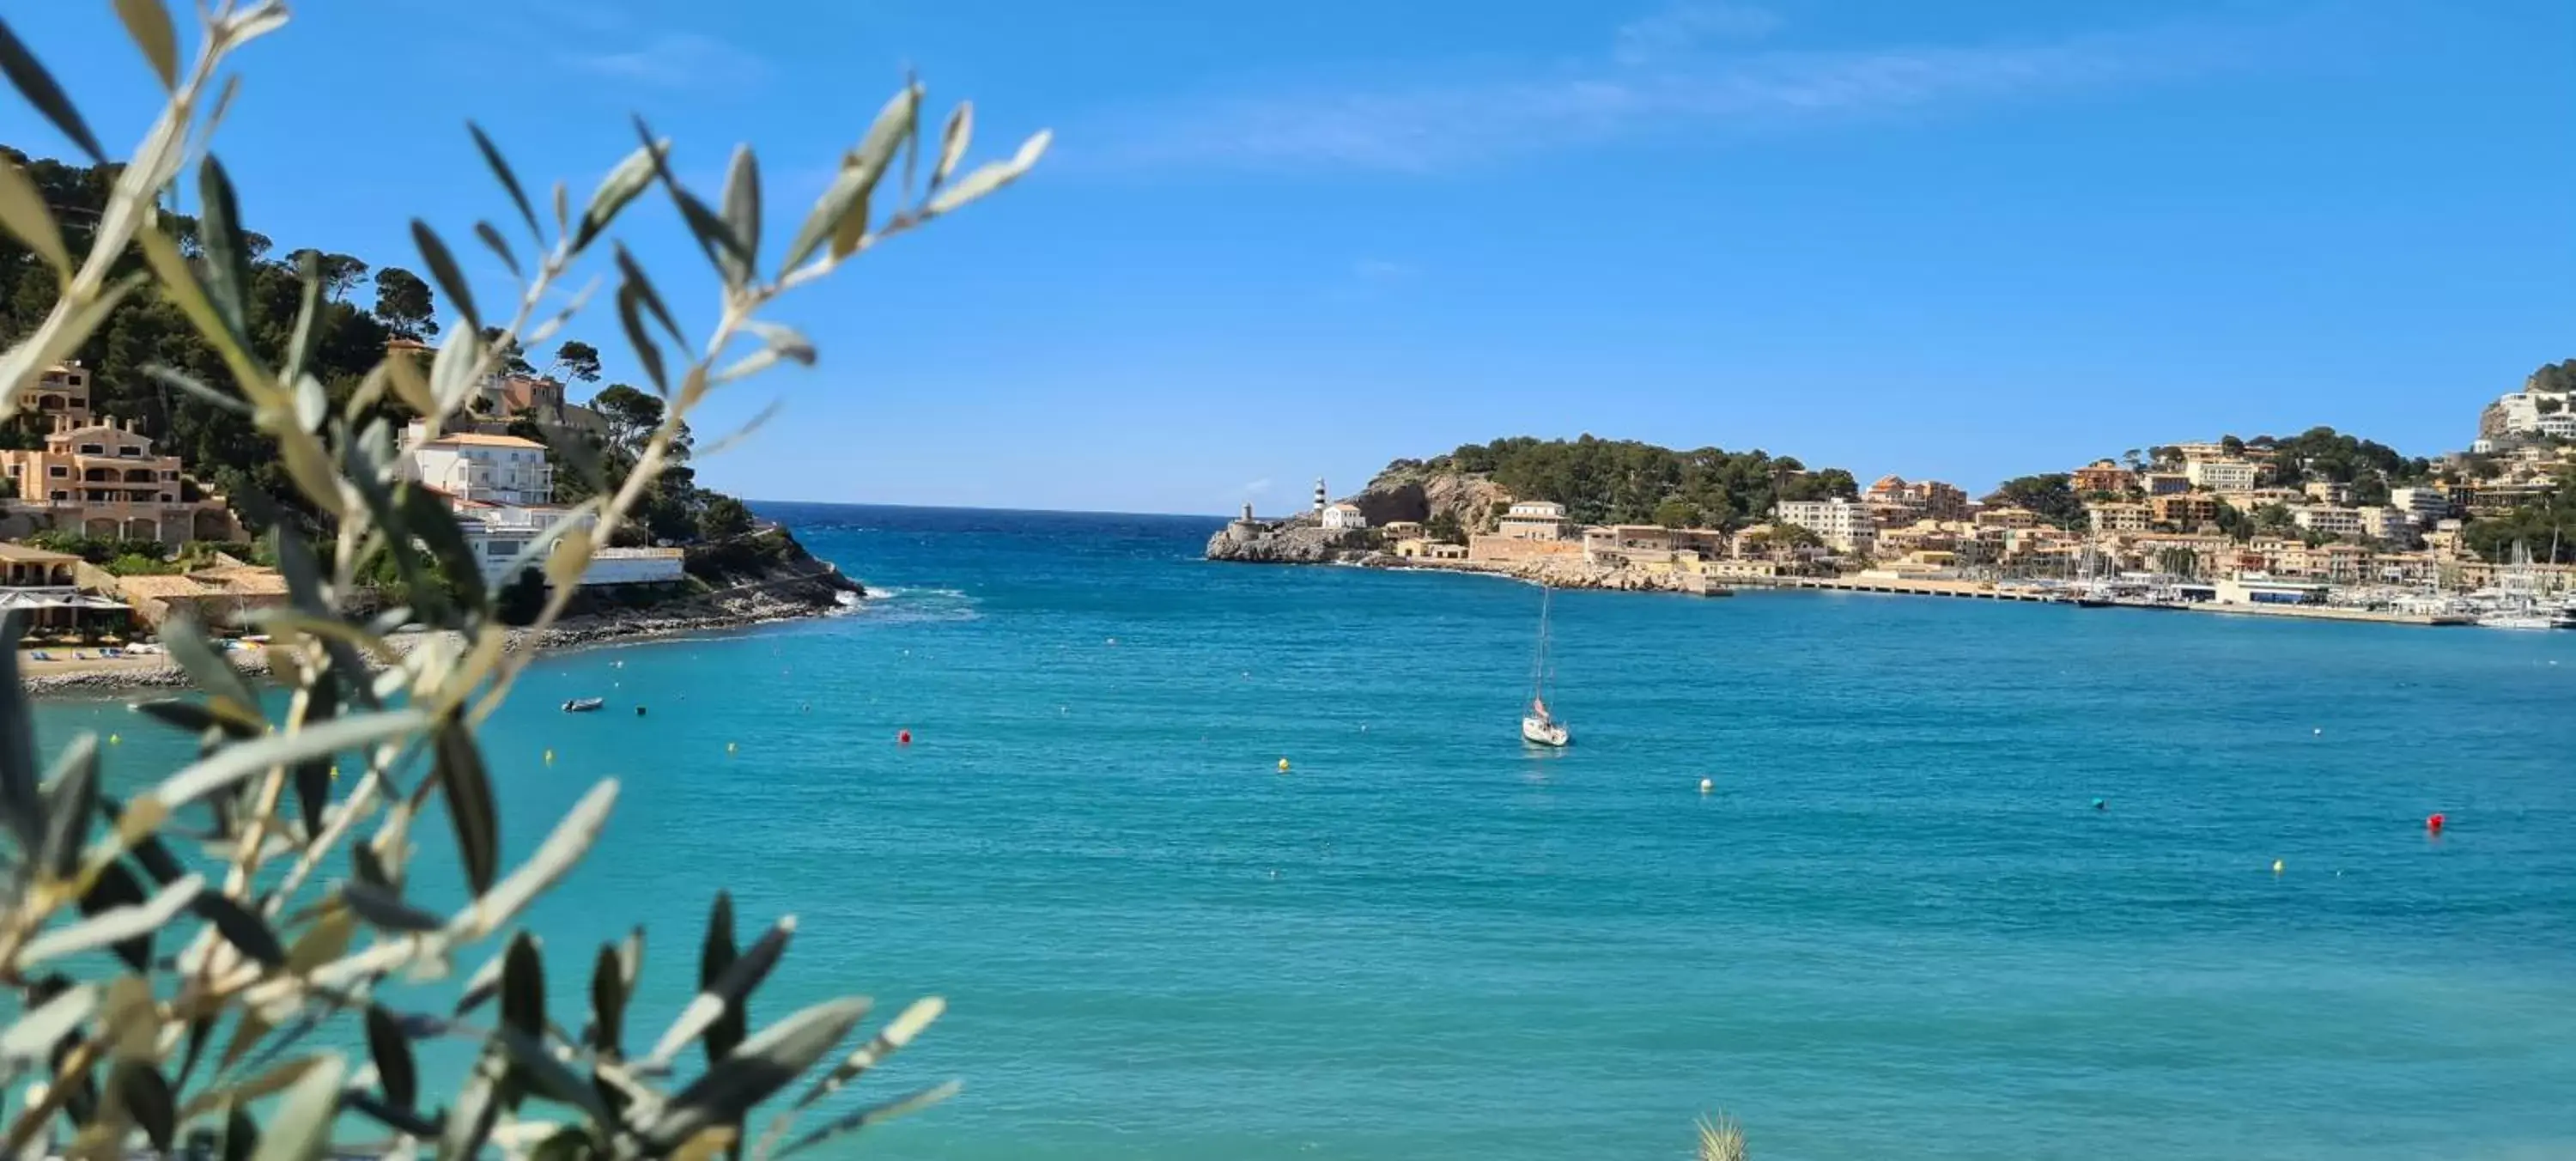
(169, 475)
(60, 494)
(93, 449)
(129, 452)
(58, 471)
(167, 498)
(500, 548)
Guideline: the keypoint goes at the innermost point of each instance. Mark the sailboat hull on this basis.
(1538, 732)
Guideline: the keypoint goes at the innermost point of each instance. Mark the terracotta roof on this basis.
(30, 554)
(479, 439)
(143, 587)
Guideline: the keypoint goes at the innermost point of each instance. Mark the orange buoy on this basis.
(903, 737)
(2433, 822)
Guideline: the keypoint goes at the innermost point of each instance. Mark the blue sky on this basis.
(1961, 240)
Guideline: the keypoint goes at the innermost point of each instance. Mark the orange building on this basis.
(103, 479)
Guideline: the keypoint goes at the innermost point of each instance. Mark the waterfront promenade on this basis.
(1983, 590)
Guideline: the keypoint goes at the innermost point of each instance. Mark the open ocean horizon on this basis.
(1896, 926)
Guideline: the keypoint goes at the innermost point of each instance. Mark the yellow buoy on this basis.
(1707, 784)
(335, 771)
(2276, 866)
(113, 739)
(550, 757)
(1283, 765)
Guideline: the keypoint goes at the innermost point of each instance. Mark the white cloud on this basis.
(1685, 25)
(675, 60)
(1428, 127)
(1257, 487)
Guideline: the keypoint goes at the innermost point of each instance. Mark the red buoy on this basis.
(904, 738)
(2433, 823)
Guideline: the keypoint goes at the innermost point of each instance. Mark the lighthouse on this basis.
(1319, 495)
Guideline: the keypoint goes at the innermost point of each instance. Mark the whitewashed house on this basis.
(502, 490)
(1344, 517)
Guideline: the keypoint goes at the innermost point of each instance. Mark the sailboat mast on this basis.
(1538, 668)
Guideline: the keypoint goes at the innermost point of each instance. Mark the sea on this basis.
(1218, 861)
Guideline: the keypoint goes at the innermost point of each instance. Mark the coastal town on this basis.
(107, 537)
(2298, 527)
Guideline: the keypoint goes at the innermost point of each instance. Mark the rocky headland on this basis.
(756, 580)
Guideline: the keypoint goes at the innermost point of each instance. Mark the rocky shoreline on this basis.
(1301, 541)
(795, 588)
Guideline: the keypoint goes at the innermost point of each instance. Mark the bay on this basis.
(1895, 926)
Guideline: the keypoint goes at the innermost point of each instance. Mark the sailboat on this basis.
(1539, 727)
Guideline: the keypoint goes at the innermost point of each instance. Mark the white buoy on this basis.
(2319, 731)
(1707, 784)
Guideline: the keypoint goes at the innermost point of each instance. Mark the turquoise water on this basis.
(1896, 928)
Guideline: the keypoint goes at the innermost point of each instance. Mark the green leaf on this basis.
(953, 141)
(196, 717)
(714, 237)
(149, 24)
(227, 262)
(469, 1119)
(233, 763)
(21, 806)
(184, 382)
(499, 246)
(564, 846)
(990, 176)
(381, 908)
(391, 1050)
(33, 1035)
(632, 273)
(241, 928)
(241, 1134)
(68, 805)
(443, 269)
(147, 1100)
(468, 789)
(23, 212)
(300, 1129)
(523, 987)
(428, 518)
(851, 1122)
(148, 850)
(299, 345)
(227, 692)
(764, 1064)
(616, 190)
(742, 201)
(888, 1040)
(609, 992)
(37, 85)
(116, 920)
(509, 181)
(631, 319)
(847, 195)
(720, 1009)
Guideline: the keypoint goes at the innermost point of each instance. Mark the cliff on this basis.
(1412, 490)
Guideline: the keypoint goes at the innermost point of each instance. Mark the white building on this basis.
(2328, 520)
(2561, 424)
(2425, 505)
(2391, 525)
(1534, 520)
(1344, 517)
(500, 488)
(1843, 525)
(2229, 475)
(488, 469)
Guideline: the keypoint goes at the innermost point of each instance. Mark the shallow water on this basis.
(1895, 928)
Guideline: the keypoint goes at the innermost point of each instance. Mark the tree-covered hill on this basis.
(1602, 481)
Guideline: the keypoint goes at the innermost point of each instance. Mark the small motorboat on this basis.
(583, 705)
